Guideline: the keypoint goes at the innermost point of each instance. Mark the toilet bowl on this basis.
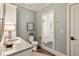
(34, 43)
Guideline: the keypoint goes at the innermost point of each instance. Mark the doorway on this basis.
(73, 30)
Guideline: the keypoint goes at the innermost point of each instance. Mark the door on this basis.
(75, 30)
(48, 29)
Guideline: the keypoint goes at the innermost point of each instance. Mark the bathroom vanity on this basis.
(20, 48)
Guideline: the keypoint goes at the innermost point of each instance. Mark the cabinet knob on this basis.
(72, 38)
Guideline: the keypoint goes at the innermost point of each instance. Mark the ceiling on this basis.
(32, 6)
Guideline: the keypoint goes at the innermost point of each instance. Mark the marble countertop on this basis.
(19, 45)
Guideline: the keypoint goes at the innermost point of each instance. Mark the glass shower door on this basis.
(48, 29)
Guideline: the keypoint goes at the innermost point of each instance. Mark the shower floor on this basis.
(49, 45)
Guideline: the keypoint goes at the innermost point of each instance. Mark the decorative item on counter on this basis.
(7, 41)
(8, 38)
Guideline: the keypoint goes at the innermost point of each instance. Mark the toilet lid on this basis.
(34, 42)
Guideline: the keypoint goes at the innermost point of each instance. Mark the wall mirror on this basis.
(10, 20)
(7, 20)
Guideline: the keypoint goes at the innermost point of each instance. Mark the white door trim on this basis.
(68, 29)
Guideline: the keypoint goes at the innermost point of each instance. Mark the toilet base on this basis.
(34, 48)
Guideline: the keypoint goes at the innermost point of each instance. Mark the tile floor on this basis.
(42, 52)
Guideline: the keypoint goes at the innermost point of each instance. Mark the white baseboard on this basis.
(52, 51)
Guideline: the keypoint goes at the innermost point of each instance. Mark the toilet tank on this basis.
(31, 38)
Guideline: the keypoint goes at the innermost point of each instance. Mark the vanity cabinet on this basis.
(26, 52)
(20, 48)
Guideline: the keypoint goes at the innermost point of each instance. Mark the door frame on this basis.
(68, 28)
(52, 10)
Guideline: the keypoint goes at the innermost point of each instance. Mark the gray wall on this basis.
(60, 24)
(24, 16)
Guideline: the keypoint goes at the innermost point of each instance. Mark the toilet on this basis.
(34, 43)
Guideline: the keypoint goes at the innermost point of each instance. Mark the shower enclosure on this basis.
(48, 29)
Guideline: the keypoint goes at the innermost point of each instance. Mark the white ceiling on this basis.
(32, 6)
